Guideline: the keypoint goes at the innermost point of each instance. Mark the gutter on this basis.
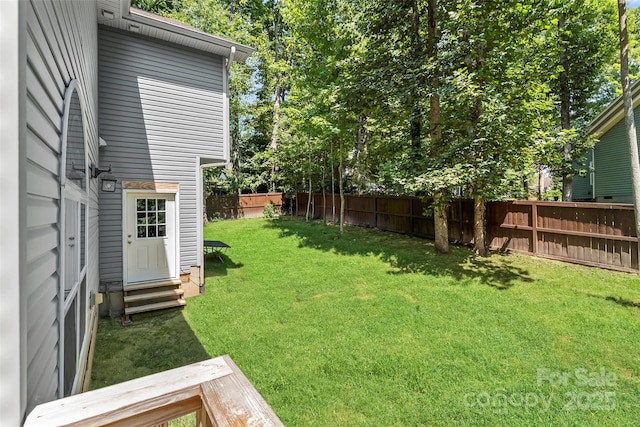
(136, 16)
(215, 164)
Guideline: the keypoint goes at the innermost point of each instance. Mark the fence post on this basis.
(375, 211)
(346, 207)
(411, 218)
(461, 218)
(534, 226)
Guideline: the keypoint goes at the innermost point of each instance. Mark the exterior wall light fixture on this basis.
(108, 180)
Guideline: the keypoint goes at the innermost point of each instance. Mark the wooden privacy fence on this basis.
(595, 234)
(242, 206)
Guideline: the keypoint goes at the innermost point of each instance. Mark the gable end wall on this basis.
(161, 106)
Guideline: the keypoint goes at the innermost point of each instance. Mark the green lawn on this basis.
(374, 328)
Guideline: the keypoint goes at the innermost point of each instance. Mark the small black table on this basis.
(215, 246)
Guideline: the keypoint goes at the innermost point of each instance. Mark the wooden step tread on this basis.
(153, 295)
(149, 285)
(156, 306)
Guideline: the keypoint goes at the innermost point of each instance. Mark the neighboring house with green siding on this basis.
(610, 179)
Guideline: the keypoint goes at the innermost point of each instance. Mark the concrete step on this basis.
(154, 295)
(150, 285)
(155, 306)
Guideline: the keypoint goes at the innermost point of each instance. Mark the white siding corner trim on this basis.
(13, 309)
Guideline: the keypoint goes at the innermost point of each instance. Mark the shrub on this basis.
(269, 210)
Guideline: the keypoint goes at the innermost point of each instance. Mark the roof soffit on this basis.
(118, 14)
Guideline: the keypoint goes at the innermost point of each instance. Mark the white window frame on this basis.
(73, 192)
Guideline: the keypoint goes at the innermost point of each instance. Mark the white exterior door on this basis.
(150, 237)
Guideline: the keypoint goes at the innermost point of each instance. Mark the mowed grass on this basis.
(373, 328)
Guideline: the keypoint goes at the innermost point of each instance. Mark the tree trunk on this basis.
(414, 97)
(565, 108)
(324, 197)
(628, 113)
(310, 187)
(274, 134)
(340, 179)
(567, 187)
(361, 139)
(416, 129)
(441, 229)
(278, 92)
(440, 204)
(479, 231)
(540, 181)
(441, 224)
(235, 151)
(309, 195)
(333, 187)
(479, 225)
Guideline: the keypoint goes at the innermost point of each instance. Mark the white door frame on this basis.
(125, 218)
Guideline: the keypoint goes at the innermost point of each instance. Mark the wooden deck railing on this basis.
(216, 390)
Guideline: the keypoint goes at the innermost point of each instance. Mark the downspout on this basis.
(232, 53)
(201, 208)
(225, 100)
(225, 162)
(593, 174)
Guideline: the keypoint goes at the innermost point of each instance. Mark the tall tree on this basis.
(582, 44)
(495, 101)
(319, 109)
(440, 205)
(281, 62)
(628, 112)
(394, 75)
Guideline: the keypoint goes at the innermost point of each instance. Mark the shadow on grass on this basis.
(154, 342)
(403, 253)
(617, 300)
(623, 302)
(217, 265)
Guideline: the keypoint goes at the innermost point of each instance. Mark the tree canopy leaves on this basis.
(517, 82)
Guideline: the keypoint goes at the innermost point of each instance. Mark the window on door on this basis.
(151, 219)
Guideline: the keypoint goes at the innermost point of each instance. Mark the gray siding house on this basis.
(85, 85)
(610, 180)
